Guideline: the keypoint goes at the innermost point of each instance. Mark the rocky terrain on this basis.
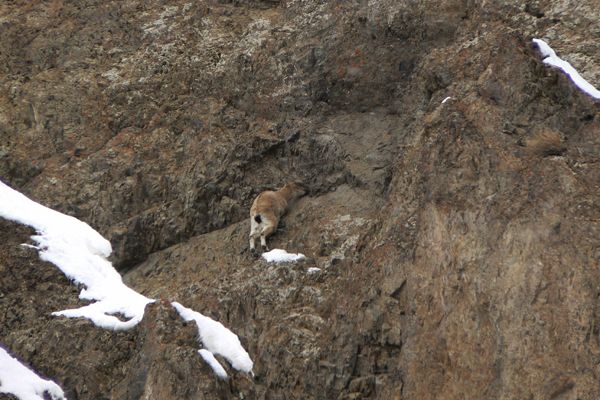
(457, 239)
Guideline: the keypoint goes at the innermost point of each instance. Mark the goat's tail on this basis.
(257, 218)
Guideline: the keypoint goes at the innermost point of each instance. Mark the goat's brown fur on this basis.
(268, 207)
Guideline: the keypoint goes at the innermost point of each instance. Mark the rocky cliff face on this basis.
(457, 241)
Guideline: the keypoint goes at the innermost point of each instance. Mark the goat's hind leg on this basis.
(253, 235)
(267, 231)
(263, 242)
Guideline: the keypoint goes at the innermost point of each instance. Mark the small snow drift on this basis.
(279, 256)
(18, 380)
(552, 59)
(80, 253)
(213, 363)
(217, 340)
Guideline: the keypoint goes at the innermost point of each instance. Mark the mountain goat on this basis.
(268, 207)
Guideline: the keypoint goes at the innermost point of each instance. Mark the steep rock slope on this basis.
(456, 240)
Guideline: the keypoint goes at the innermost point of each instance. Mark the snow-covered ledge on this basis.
(218, 340)
(550, 58)
(81, 254)
(20, 381)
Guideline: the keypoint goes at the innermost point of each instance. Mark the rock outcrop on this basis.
(453, 210)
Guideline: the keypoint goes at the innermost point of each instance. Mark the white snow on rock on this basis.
(213, 363)
(313, 270)
(279, 256)
(18, 380)
(80, 253)
(552, 59)
(217, 339)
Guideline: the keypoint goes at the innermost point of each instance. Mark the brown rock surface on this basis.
(457, 242)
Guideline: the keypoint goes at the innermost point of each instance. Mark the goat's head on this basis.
(297, 189)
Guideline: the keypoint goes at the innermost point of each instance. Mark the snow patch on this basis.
(279, 256)
(217, 339)
(552, 59)
(80, 253)
(313, 270)
(213, 363)
(18, 380)
(446, 99)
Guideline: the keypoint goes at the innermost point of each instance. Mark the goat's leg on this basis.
(270, 227)
(263, 243)
(253, 235)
